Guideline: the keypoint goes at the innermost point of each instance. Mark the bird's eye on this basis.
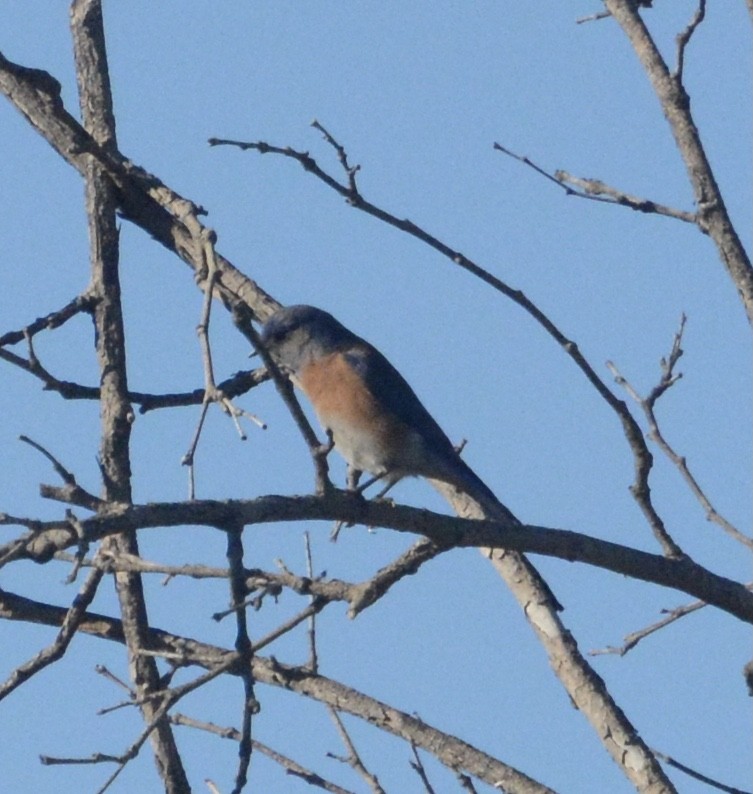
(274, 334)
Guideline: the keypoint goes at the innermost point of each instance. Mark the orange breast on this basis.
(365, 436)
(336, 391)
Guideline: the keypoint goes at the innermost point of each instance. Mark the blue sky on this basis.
(417, 93)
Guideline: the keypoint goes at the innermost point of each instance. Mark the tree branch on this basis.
(647, 404)
(449, 750)
(596, 190)
(290, 766)
(116, 413)
(142, 198)
(444, 531)
(713, 217)
(59, 646)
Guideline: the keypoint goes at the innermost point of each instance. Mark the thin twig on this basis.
(313, 662)
(342, 156)
(359, 595)
(593, 17)
(683, 39)
(698, 775)
(75, 492)
(672, 615)
(234, 386)
(408, 563)
(466, 783)
(110, 676)
(167, 699)
(596, 190)
(291, 767)
(353, 759)
(110, 561)
(81, 303)
(418, 767)
(205, 252)
(316, 605)
(204, 242)
(631, 640)
(318, 451)
(60, 645)
(667, 379)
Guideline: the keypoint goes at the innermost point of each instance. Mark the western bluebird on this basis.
(377, 423)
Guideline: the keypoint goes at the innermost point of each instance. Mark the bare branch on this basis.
(449, 750)
(635, 637)
(466, 783)
(74, 492)
(699, 776)
(596, 190)
(342, 156)
(290, 766)
(647, 404)
(212, 394)
(713, 218)
(316, 606)
(95, 99)
(683, 39)
(81, 303)
(585, 687)
(59, 646)
(407, 564)
(418, 768)
(359, 596)
(234, 386)
(313, 662)
(317, 450)
(143, 198)
(444, 531)
(593, 17)
(353, 759)
(245, 653)
(166, 700)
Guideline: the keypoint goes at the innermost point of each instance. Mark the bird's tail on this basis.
(465, 479)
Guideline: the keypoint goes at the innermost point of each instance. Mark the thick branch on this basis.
(586, 688)
(451, 751)
(142, 198)
(445, 531)
(675, 102)
(115, 410)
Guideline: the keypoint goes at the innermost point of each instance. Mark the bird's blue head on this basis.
(296, 335)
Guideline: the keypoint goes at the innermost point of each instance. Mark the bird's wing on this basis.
(392, 390)
(389, 386)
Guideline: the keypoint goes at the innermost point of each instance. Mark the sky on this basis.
(417, 93)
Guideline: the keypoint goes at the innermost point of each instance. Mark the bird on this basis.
(374, 418)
